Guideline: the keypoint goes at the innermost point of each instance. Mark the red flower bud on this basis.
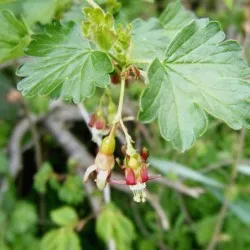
(144, 154)
(115, 78)
(97, 121)
(100, 123)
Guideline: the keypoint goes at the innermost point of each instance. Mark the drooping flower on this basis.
(136, 174)
(104, 163)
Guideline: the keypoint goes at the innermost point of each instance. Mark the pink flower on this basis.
(101, 168)
(136, 176)
(104, 163)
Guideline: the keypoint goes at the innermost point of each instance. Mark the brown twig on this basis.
(226, 203)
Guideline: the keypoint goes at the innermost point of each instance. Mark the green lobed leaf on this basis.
(61, 239)
(23, 219)
(14, 36)
(42, 177)
(112, 224)
(75, 13)
(197, 75)
(174, 18)
(72, 190)
(64, 65)
(65, 216)
(40, 11)
(148, 40)
(43, 11)
(27, 241)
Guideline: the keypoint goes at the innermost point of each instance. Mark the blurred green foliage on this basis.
(26, 223)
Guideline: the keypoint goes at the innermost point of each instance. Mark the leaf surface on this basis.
(112, 224)
(64, 216)
(64, 65)
(200, 73)
(174, 18)
(60, 239)
(14, 36)
(148, 40)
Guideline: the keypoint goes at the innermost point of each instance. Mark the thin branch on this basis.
(226, 203)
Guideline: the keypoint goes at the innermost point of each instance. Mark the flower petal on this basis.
(144, 174)
(130, 176)
(102, 178)
(88, 172)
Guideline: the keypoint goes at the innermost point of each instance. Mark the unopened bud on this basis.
(100, 123)
(108, 145)
(115, 78)
(133, 162)
(144, 154)
(97, 121)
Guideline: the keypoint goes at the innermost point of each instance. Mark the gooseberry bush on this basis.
(189, 74)
(188, 70)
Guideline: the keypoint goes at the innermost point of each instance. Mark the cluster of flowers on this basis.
(135, 168)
